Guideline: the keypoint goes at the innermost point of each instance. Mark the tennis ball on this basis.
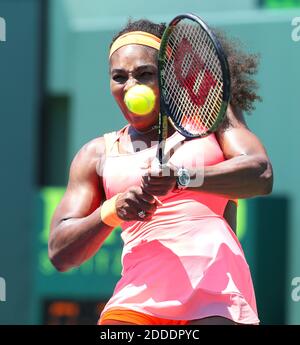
(140, 99)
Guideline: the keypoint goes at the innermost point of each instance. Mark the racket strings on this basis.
(193, 85)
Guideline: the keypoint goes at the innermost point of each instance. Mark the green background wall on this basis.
(19, 112)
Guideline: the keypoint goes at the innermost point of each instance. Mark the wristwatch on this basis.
(183, 179)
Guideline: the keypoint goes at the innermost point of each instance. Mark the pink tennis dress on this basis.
(185, 263)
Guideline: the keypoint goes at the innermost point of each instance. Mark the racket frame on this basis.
(165, 113)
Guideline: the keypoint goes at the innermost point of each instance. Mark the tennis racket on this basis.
(194, 80)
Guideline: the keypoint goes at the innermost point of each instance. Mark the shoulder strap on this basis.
(110, 139)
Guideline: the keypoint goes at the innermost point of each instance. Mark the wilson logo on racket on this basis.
(196, 67)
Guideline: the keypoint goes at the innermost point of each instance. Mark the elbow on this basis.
(265, 176)
(56, 258)
(267, 185)
(58, 265)
(56, 261)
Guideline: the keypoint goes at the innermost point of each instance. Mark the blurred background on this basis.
(54, 91)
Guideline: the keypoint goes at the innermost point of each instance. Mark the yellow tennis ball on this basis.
(140, 99)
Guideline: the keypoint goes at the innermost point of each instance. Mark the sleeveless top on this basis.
(185, 263)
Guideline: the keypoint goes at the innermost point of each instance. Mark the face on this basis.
(131, 65)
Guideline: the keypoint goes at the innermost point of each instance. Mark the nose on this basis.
(130, 83)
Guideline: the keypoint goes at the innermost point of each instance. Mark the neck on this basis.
(149, 133)
(146, 131)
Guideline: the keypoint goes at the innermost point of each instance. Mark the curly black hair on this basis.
(243, 66)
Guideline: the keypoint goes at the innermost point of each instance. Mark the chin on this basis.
(142, 120)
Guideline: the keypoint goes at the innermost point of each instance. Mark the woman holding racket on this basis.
(182, 263)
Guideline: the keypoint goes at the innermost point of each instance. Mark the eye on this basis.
(146, 75)
(119, 78)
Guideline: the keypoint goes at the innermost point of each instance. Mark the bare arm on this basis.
(247, 170)
(76, 229)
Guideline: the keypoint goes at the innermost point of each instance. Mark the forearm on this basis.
(239, 177)
(74, 240)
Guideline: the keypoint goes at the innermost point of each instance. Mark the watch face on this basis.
(183, 177)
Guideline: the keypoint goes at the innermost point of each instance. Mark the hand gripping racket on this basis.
(194, 80)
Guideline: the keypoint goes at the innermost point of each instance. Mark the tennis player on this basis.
(182, 262)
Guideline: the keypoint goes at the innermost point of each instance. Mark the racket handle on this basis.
(162, 136)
